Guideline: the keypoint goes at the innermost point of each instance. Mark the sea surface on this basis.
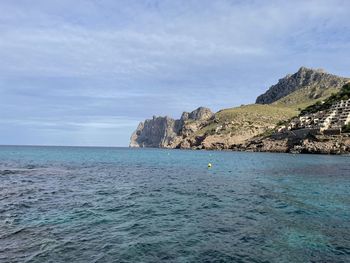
(76, 204)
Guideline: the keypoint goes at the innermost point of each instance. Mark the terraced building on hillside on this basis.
(333, 119)
(338, 116)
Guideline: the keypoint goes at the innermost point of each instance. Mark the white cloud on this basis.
(101, 122)
(218, 31)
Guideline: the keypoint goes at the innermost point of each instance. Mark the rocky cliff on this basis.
(314, 80)
(166, 132)
(157, 132)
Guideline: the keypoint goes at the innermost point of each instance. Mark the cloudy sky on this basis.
(85, 72)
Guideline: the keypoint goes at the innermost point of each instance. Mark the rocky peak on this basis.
(185, 116)
(310, 70)
(199, 114)
(304, 77)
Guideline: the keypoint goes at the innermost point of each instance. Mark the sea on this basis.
(91, 204)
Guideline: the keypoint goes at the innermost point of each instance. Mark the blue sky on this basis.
(86, 72)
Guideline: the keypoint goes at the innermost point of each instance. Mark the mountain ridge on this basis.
(316, 79)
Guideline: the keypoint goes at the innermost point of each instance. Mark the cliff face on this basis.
(315, 80)
(157, 132)
(166, 132)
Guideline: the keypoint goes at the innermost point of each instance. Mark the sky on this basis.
(86, 72)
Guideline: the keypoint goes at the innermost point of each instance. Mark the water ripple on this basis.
(125, 205)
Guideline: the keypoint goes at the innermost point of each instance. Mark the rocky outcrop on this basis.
(304, 78)
(200, 114)
(165, 132)
(157, 132)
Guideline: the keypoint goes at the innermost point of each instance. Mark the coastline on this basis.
(321, 144)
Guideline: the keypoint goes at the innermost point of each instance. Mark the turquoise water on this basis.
(71, 204)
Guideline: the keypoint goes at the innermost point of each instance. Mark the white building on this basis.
(339, 115)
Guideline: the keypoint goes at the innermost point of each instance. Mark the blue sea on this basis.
(79, 204)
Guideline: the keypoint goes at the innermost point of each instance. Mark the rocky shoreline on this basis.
(287, 143)
(312, 144)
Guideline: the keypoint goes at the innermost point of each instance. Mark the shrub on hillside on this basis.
(343, 94)
(346, 128)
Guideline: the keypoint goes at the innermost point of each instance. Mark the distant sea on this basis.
(75, 204)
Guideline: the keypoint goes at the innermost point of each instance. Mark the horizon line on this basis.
(48, 145)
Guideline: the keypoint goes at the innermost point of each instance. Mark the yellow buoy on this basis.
(209, 165)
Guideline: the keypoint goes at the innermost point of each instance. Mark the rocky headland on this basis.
(165, 132)
(266, 126)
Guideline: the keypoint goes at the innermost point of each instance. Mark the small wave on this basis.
(14, 233)
(13, 171)
(7, 172)
(31, 166)
(342, 250)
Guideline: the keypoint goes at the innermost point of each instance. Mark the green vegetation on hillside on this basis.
(305, 97)
(346, 128)
(248, 118)
(343, 94)
(256, 113)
